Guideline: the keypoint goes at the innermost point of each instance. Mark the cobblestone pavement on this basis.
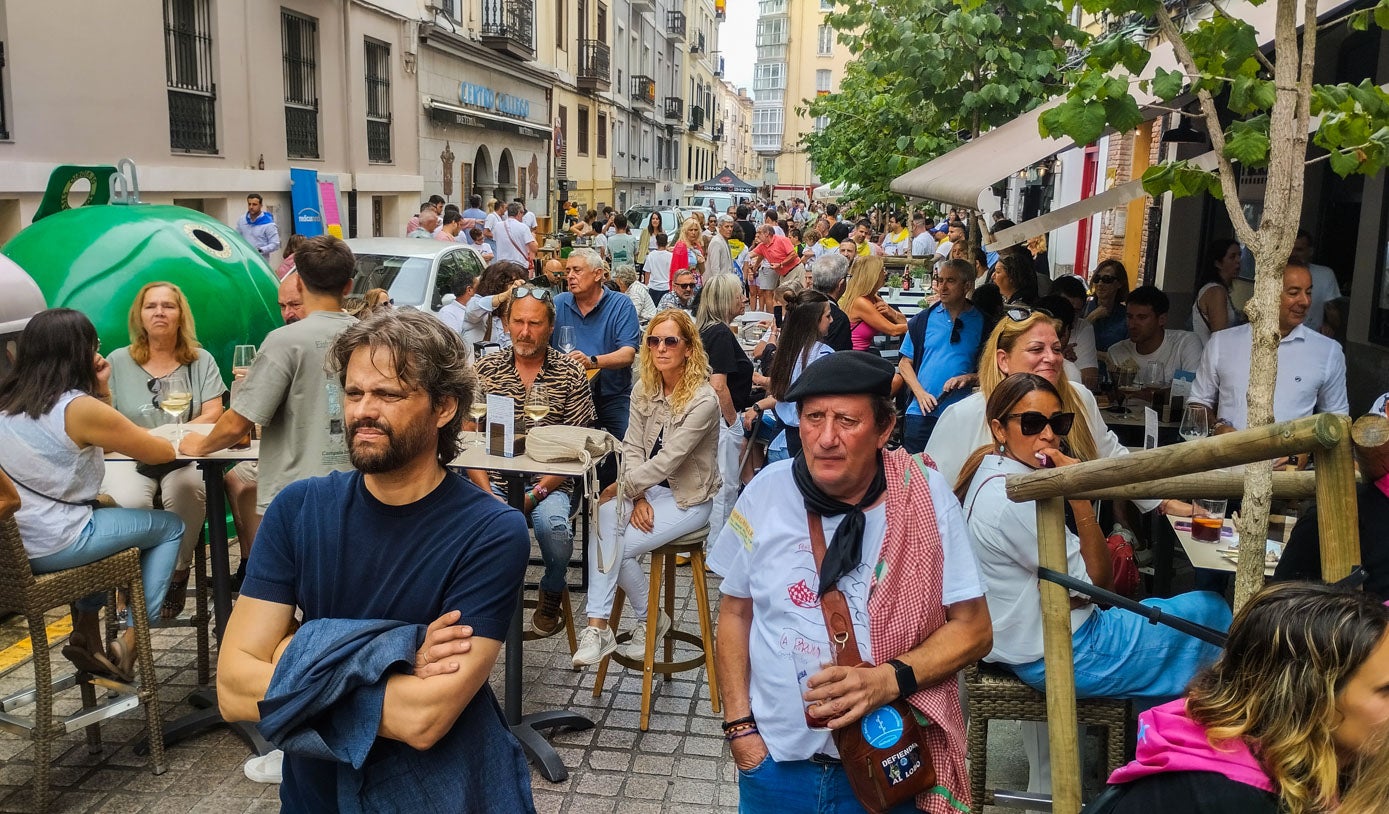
(680, 764)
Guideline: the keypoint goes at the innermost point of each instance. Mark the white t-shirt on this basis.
(1180, 350)
(1311, 376)
(469, 319)
(490, 224)
(923, 245)
(763, 553)
(1005, 547)
(528, 218)
(658, 266)
(509, 243)
(1083, 337)
(1325, 288)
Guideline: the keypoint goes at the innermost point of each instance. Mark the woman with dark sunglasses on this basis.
(1106, 309)
(1118, 654)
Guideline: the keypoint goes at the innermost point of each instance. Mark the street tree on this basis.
(1257, 107)
(929, 74)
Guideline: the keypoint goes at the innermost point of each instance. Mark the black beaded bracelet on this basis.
(739, 722)
(736, 735)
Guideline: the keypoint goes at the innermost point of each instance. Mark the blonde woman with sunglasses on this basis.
(669, 479)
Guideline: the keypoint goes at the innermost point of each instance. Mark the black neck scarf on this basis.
(844, 551)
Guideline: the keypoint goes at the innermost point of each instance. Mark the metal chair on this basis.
(33, 595)
(663, 565)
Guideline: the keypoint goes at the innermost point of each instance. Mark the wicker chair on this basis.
(995, 694)
(33, 595)
(663, 563)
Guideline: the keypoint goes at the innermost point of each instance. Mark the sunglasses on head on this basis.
(669, 341)
(1021, 313)
(1032, 422)
(1106, 279)
(521, 291)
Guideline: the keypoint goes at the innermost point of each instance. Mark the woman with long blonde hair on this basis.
(669, 478)
(164, 357)
(868, 314)
(1292, 718)
(688, 251)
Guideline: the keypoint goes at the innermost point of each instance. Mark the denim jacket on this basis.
(689, 447)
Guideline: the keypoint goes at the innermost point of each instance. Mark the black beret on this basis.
(842, 373)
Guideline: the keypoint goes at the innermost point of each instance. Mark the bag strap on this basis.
(91, 504)
(970, 511)
(832, 603)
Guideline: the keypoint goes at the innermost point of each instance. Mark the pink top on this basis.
(861, 335)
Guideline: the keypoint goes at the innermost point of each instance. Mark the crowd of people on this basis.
(793, 446)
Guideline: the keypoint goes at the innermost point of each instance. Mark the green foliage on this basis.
(1354, 126)
(1180, 178)
(926, 72)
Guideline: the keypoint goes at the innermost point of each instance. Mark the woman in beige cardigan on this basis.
(669, 478)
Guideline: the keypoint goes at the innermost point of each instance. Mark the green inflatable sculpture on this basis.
(94, 258)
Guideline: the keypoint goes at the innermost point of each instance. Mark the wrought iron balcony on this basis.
(696, 118)
(674, 108)
(697, 47)
(644, 90)
(508, 26)
(675, 26)
(595, 65)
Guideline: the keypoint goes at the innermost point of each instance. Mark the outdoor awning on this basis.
(965, 176)
(725, 181)
(453, 114)
(827, 192)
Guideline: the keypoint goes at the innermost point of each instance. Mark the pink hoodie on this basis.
(1169, 741)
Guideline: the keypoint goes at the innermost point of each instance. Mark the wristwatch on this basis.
(593, 360)
(906, 678)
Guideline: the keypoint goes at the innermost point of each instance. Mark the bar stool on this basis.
(663, 565)
(993, 693)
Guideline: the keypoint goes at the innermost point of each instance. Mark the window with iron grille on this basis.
(378, 70)
(188, 72)
(299, 45)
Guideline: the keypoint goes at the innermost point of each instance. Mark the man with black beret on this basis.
(880, 532)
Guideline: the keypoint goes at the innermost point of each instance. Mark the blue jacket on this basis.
(324, 704)
(261, 233)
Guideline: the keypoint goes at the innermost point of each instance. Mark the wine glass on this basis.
(242, 357)
(566, 339)
(174, 402)
(537, 404)
(1123, 387)
(477, 411)
(1195, 422)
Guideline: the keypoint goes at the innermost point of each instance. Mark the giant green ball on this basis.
(95, 259)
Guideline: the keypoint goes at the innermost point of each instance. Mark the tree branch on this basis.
(1327, 155)
(1243, 230)
(1258, 54)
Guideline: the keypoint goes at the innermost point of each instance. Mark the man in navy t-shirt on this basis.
(401, 539)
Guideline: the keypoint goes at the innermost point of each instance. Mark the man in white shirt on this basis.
(490, 229)
(527, 216)
(1311, 367)
(513, 241)
(656, 269)
(923, 244)
(470, 323)
(1325, 286)
(1150, 341)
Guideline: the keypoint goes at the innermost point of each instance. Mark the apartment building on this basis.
(735, 148)
(702, 114)
(213, 100)
(798, 58)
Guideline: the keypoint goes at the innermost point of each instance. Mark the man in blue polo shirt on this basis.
(606, 335)
(940, 353)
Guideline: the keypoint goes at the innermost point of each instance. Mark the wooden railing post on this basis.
(1060, 666)
(1338, 517)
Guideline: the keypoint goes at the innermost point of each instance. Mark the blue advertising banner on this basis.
(303, 195)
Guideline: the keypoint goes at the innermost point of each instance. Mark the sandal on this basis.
(124, 659)
(85, 659)
(174, 599)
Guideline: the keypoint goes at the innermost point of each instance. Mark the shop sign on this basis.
(486, 98)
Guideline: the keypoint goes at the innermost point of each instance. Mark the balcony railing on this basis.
(595, 65)
(696, 118)
(674, 108)
(508, 26)
(644, 90)
(718, 132)
(675, 26)
(697, 47)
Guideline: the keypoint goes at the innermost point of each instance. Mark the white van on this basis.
(718, 202)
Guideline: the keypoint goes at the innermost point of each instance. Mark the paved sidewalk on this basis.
(680, 765)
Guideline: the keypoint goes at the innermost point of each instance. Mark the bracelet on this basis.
(540, 492)
(1087, 521)
(743, 734)
(747, 719)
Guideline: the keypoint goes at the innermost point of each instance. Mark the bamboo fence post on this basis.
(1338, 517)
(1060, 666)
(1223, 483)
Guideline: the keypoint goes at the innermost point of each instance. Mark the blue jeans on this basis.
(916, 431)
(613, 413)
(1119, 654)
(550, 521)
(799, 787)
(157, 535)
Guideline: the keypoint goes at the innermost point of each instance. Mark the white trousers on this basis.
(671, 522)
(181, 492)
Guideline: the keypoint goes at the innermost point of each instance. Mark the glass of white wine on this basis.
(566, 339)
(477, 411)
(537, 404)
(174, 402)
(1195, 422)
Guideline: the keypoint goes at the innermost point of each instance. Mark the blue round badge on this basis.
(882, 727)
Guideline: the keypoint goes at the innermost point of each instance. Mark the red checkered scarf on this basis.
(904, 607)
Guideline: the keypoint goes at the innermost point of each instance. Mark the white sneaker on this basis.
(595, 643)
(635, 648)
(265, 768)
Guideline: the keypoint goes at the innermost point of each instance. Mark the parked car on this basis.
(416, 272)
(638, 216)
